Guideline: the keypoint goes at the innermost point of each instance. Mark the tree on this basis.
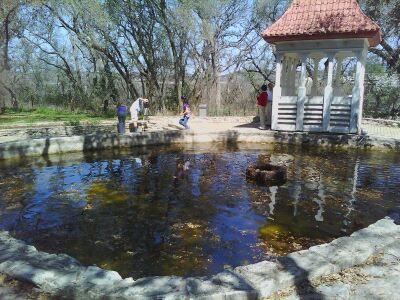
(172, 17)
(259, 61)
(382, 90)
(387, 14)
(215, 44)
(9, 29)
(63, 56)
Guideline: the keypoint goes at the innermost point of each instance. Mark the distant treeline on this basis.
(81, 55)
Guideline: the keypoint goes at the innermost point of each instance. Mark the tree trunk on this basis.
(5, 63)
(178, 89)
(377, 105)
(163, 107)
(133, 93)
(217, 85)
(14, 102)
(79, 86)
(178, 64)
(5, 40)
(143, 85)
(2, 99)
(216, 79)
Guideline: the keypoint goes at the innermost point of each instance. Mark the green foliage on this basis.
(387, 14)
(382, 90)
(382, 99)
(47, 114)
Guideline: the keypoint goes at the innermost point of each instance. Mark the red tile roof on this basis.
(323, 19)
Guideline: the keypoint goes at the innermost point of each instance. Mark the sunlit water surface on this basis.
(190, 211)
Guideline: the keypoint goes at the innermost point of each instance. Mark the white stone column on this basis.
(314, 89)
(358, 93)
(301, 93)
(289, 76)
(293, 68)
(285, 76)
(277, 91)
(328, 94)
(339, 60)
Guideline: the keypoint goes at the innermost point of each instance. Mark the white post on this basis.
(339, 60)
(362, 79)
(314, 89)
(293, 62)
(328, 94)
(301, 93)
(284, 76)
(289, 77)
(277, 92)
(358, 93)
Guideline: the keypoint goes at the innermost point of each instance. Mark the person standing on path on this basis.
(186, 113)
(121, 113)
(262, 103)
(269, 103)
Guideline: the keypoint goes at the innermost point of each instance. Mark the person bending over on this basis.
(136, 107)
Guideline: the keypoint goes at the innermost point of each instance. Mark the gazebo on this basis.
(320, 34)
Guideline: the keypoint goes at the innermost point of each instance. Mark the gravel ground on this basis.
(385, 128)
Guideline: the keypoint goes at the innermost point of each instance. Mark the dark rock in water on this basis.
(394, 214)
(266, 173)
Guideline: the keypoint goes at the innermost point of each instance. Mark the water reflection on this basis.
(191, 211)
(273, 191)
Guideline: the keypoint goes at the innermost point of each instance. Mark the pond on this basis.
(189, 211)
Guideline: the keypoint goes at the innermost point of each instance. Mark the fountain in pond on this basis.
(265, 173)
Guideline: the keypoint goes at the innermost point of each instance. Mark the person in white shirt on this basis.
(269, 103)
(136, 107)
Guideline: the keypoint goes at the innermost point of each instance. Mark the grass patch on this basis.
(50, 114)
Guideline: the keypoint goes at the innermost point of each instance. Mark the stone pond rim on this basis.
(60, 274)
(43, 269)
(102, 141)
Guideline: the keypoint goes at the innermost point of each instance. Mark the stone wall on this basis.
(53, 131)
(62, 275)
(99, 141)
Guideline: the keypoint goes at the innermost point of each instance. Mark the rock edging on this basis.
(100, 141)
(64, 275)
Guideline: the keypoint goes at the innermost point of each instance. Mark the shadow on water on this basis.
(231, 141)
(45, 152)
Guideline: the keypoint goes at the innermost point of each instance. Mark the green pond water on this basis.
(190, 211)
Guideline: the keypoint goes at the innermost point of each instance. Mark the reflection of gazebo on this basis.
(311, 33)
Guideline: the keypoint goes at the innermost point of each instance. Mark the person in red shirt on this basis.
(262, 104)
